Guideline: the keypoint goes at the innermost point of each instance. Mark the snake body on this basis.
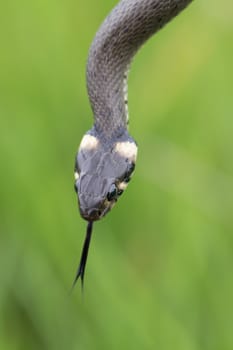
(107, 153)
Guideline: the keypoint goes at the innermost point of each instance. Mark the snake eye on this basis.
(112, 193)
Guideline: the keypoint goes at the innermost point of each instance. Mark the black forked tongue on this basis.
(83, 260)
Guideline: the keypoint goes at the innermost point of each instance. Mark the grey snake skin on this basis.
(107, 154)
(122, 33)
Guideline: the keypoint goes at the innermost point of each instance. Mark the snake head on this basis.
(102, 173)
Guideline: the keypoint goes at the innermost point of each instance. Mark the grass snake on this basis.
(107, 154)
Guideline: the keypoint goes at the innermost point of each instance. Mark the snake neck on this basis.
(122, 33)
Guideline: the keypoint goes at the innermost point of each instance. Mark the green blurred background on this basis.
(159, 273)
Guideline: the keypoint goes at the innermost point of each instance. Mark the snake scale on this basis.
(107, 154)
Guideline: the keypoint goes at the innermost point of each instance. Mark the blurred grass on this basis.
(159, 273)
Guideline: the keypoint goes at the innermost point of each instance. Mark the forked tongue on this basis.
(83, 260)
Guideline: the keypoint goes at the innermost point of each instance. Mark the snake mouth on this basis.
(91, 215)
(95, 214)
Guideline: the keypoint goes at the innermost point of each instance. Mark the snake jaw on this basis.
(96, 214)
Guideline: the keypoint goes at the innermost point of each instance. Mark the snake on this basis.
(107, 154)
